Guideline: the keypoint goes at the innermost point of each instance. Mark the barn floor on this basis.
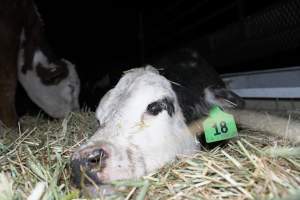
(254, 166)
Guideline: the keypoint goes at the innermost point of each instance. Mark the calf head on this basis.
(52, 84)
(141, 128)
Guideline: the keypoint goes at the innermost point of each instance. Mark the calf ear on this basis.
(223, 97)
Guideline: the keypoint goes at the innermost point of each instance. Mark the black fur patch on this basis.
(34, 34)
(206, 146)
(52, 76)
(193, 74)
(158, 106)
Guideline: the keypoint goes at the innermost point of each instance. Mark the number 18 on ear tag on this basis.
(219, 126)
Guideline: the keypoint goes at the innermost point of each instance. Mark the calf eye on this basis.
(158, 106)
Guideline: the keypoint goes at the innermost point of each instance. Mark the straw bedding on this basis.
(34, 164)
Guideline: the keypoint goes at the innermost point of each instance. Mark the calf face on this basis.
(50, 82)
(141, 128)
(53, 86)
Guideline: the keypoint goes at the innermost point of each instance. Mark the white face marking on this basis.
(126, 126)
(56, 100)
(40, 58)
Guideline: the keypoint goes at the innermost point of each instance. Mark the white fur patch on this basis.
(40, 58)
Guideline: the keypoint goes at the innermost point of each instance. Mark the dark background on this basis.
(110, 36)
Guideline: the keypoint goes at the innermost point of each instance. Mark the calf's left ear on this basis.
(223, 97)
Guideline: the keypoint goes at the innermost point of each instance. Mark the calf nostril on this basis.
(97, 157)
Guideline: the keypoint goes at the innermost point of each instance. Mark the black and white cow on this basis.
(52, 83)
(148, 119)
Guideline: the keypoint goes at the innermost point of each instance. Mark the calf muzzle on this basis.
(86, 165)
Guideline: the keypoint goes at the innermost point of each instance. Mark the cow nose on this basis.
(87, 164)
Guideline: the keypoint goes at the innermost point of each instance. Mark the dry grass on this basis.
(34, 161)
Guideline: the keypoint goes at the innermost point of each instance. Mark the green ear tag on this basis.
(219, 126)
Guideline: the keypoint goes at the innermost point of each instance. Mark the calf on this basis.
(144, 120)
(51, 83)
